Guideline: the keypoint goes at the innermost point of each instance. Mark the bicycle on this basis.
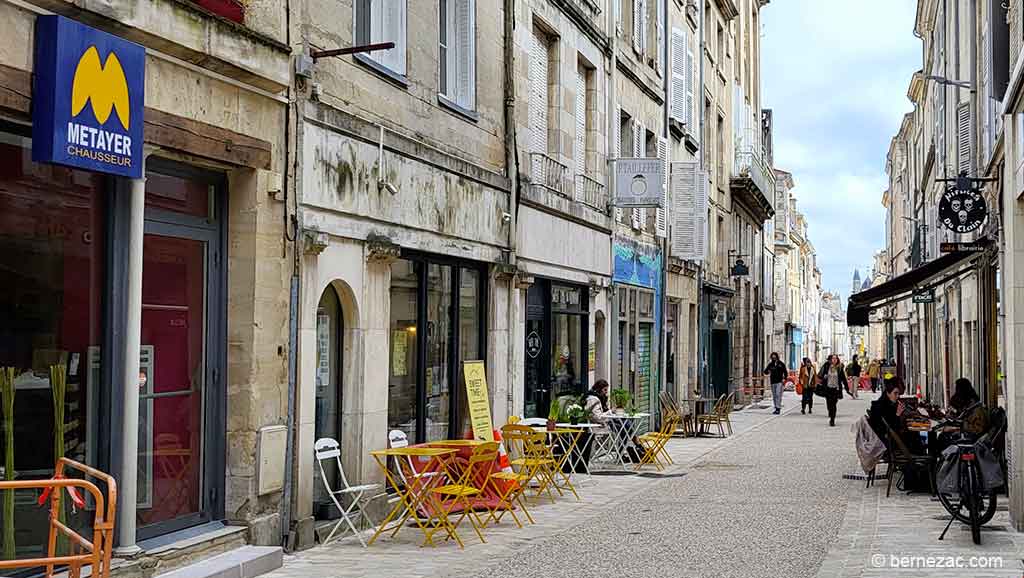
(979, 502)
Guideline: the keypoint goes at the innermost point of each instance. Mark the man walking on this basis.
(776, 372)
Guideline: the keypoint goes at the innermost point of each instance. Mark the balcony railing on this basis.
(750, 164)
(550, 174)
(591, 192)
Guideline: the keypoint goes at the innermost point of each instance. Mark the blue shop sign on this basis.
(798, 336)
(88, 98)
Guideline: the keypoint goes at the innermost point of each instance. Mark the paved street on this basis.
(769, 501)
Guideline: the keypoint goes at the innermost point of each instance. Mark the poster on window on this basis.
(399, 352)
(323, 349)
(476, 396)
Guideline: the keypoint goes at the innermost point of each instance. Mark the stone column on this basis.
(1013, 339)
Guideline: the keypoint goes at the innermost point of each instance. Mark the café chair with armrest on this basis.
(901, 459)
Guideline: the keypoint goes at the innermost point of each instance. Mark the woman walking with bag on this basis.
(832, 380)
(808, 375)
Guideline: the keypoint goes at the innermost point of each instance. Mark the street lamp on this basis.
(946, 81)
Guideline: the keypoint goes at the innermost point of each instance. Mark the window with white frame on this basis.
(457, 52)
(379, 21)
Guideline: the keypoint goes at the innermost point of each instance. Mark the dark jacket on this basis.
(823, 375)
(776, 371)
(883, 411)
(854, 369)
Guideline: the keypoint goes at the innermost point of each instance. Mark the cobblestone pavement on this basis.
(768, 501)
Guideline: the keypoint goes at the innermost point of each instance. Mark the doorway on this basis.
(181, 394)
(719, 362)
(330, 327)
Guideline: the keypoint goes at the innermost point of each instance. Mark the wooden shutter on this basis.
(963, 137)
(661, 214)
(678, 84)
(617, 144)
(580, 151)
(538, 103)
(639, 135)
(465, 53)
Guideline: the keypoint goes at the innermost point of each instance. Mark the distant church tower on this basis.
(856, 281)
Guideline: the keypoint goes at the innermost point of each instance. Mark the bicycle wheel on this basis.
(973, 503)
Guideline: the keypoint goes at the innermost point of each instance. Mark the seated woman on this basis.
(966, 406)
(596, 403)
(887, 410)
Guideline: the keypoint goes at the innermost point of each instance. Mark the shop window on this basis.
(52, 241)
(437, 317)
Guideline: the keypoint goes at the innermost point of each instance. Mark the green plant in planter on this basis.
(575, 413)
(7, 399)
(554, 410)
(621, 398)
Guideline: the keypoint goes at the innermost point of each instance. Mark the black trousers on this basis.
(832, 401)
(808, 399)
(874, 384)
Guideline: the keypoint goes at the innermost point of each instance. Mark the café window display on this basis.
(437, 322)
(557, 324)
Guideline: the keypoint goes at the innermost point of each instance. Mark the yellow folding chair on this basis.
(510, 487)
(653, 443)
(530, 456)
(469, 485)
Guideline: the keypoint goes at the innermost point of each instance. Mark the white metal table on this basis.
(624, 428)
(577, 455)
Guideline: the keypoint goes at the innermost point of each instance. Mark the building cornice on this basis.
(728, 9)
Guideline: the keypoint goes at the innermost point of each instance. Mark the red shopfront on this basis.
(62, 302)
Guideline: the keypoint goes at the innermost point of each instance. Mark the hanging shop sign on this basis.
(476, 396)
(962, 211)
(533, 344)
(639, 183)
(924, 297)
(88, 98)
(740, 269)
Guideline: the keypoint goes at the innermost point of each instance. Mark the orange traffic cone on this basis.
(503, 462)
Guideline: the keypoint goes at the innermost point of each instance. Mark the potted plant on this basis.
(553, 412)
(620, 399)
(576, 413)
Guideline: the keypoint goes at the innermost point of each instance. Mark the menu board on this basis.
(479, 404)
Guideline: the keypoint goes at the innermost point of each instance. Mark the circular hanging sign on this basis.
(533, 344)
(962, 211)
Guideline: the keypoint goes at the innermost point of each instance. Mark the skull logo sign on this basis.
(962, 211)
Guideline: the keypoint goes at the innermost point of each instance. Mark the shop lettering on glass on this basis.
(533, 344)
(962, 211)
(88, 98)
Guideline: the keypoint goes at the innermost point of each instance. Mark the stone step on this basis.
(244, 562)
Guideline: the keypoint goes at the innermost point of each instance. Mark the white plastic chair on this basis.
(327, 449)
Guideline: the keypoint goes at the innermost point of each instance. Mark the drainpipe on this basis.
(663, 361)
(512, 171)
(128, 476)
(702, 311)
(610, 72)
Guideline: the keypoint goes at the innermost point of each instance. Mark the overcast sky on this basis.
(836, 74)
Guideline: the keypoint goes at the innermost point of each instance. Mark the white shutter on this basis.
(986, 98)
(678, 86)
(617, 144)
(644, 23)
(639, 136)
(580, 151)
(538, 104)
(692, 89)
(638, 20)
(701, 211)
(661, 215)
(465, 53)
(660, 38)
(963, 137)
(683, 180)
(446, 59)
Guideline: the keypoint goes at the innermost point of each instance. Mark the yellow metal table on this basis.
(414, 494)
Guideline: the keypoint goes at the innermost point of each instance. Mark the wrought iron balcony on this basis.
(753, 181)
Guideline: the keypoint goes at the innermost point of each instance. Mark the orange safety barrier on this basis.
(95, 553)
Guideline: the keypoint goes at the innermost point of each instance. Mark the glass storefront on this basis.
(436, 315)
(61, 255)
(556, 354)
(52, 259)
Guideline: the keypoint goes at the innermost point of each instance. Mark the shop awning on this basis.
(926, 276)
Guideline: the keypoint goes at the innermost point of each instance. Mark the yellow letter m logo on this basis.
(102, 84)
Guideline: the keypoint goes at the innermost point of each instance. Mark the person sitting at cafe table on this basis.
(887, 410)
(596, 403)
(966, 406)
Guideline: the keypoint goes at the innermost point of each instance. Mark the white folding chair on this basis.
(398, 439)
(327, 449)
(533, 422)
